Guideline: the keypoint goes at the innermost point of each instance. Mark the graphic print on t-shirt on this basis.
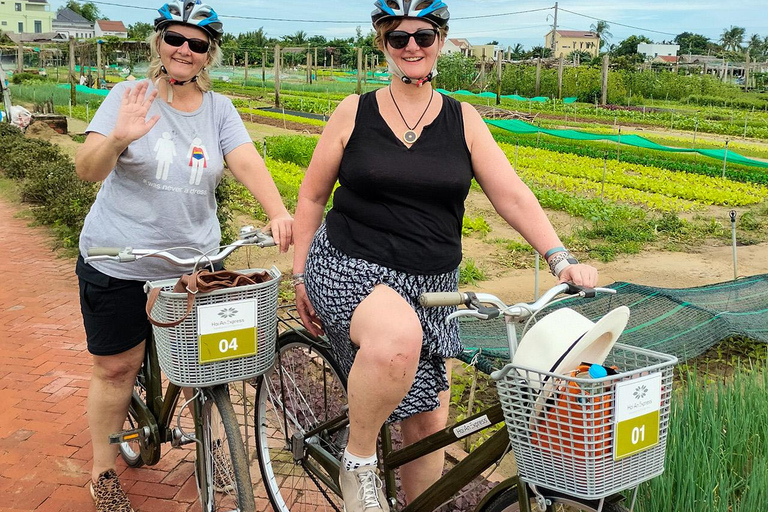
(198, 160)
(165, 150)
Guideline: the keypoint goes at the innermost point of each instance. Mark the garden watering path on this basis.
(45, 450)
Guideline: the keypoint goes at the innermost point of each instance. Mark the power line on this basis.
(617, 23)
(291, 20)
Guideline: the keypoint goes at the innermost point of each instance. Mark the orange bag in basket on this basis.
(575, 422)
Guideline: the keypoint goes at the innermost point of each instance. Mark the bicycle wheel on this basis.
(508, 501)
(303, 390)
(223, 469)
(130, 451)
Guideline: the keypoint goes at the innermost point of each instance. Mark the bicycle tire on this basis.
(130, 451)
(314, 391)
(508, 501)
(223, 470)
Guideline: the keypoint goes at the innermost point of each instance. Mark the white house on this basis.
(73, 25)
(653, 50)
(110, 28)
(457, 45)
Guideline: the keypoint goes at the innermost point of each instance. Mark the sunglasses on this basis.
(176, 40)
(398, 39)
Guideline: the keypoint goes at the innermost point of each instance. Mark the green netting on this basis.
(684, 322)
(86, 90)
(518, 126)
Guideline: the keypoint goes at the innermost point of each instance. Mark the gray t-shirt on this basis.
(161, 192)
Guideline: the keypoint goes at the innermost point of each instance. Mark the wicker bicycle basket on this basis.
(178, 348)
(563, 428)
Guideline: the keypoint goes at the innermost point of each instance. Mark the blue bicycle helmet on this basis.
(434, 11)
(190, 12)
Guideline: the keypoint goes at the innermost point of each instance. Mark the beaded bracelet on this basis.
(559, 261)
(297, 279)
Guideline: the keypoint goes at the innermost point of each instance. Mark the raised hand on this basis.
(132, 122)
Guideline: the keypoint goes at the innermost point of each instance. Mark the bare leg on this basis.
(417, 476)
(389, 335)
(108, 397)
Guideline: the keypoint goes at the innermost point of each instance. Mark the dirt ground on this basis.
(708, 264)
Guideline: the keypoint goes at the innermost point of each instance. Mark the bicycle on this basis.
(221, 463)
(302, 426)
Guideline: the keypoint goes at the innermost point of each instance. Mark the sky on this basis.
(479, 21)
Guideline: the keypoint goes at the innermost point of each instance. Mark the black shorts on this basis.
(114, 311)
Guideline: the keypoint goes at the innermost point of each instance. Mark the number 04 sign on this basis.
(226, 331)
(638, 405)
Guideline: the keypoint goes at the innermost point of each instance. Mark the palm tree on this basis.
(756, 46)
(602, 29)
(732, 38)
(299, 38)
(517, 52)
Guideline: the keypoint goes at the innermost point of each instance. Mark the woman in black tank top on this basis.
(404, 157)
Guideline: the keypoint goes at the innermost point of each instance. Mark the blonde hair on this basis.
(391, 24)
(203, 78)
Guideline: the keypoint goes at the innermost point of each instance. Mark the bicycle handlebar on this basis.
(520, 311)
(249, 236)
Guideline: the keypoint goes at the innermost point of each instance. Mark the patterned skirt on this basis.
(336, 284)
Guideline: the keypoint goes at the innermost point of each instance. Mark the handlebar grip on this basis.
(105, 251)
(433, 299)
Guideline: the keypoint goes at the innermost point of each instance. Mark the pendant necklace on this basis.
(410, 135)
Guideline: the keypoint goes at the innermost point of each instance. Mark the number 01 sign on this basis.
(226, 331)
(638, 405)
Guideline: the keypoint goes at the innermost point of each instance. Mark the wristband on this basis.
(559, 261)
(297, 279)
(564, 263)
(553, 251)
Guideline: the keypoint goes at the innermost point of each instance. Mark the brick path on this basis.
(45, 449)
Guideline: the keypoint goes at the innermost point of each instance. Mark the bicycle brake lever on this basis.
(487, 312)
(581, 291)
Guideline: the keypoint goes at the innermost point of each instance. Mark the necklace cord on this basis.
(401, 114)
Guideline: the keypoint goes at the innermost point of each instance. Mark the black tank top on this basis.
(402, 207)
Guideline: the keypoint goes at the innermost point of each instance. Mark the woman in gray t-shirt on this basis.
(160, 146)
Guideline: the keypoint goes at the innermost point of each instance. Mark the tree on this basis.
(692, 43)
(139, 31)
(87, 10)
(602, 30)
(493, 43)
(757, 47)
(580, 56)
(540, 51)
(628, 47)
(517, 52)
(732, 38)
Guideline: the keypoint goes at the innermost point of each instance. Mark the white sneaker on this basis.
(362, 490)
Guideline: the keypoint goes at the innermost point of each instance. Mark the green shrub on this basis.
(295, 149)
(19, 78)
(19, 154)
(62, 198)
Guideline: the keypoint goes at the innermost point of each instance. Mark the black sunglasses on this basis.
(398, 39)
(176, 40)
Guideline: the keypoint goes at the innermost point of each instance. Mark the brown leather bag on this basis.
(204, 281)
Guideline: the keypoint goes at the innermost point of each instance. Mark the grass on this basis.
(717, 450)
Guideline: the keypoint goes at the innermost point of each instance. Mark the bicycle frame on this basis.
(325, 467)
(156, 413)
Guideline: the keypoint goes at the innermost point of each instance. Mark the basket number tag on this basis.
(638, 405)
(226, 330)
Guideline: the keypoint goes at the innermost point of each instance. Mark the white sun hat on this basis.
(561, 341)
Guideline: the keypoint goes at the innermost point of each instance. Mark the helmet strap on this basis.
(394, 69)
(172, 81)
